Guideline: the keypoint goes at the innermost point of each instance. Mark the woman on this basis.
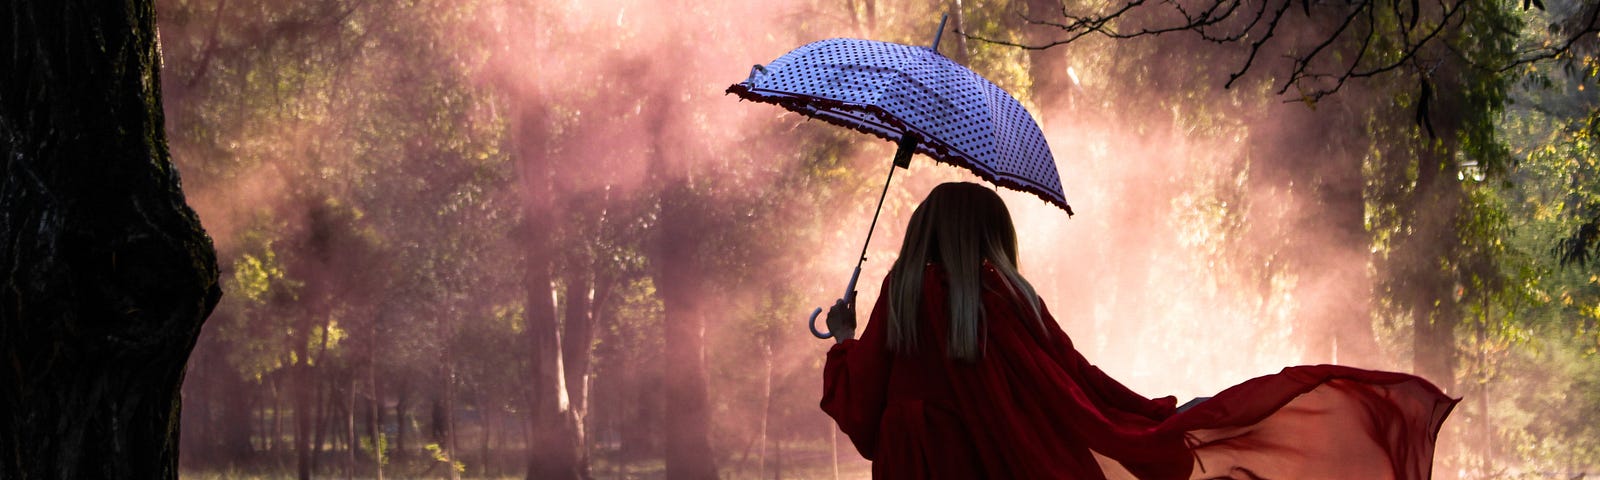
(963, 373)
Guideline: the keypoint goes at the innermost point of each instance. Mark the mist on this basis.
(428, 210)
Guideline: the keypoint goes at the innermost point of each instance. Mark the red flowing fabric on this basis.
(1033, 407)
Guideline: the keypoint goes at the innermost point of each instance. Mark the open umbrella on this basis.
(916, 97)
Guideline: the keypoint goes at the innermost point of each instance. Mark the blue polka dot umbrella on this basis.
(891, 90)
(916, 97)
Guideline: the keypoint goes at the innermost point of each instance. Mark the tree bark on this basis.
(304, 397)
(350, 428)
(449, 443)
(957, 49)
(319, 426)
(577, 349)
(402, 420)
(680, 283)
(108, 275)
(766, 411)
(375, 413)
(274, 440)
(487, 435)
(553, 448)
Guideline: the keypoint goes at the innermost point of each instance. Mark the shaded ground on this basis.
(798, 462)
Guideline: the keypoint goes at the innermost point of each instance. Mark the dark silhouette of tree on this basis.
(108, 274)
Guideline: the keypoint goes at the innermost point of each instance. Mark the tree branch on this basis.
(1379, 45)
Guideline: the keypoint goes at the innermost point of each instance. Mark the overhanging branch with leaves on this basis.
(1316, 47)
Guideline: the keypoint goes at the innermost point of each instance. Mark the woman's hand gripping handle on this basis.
(841, 319)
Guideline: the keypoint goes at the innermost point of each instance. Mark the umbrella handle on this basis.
(902, 159)
(813, 324)
(849, 294)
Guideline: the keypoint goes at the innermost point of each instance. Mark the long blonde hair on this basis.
(959, 226)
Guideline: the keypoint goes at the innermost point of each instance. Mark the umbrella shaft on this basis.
(908, 145)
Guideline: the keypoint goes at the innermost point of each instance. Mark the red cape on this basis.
(1033, 407)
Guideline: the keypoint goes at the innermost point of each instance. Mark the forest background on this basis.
(521, 238)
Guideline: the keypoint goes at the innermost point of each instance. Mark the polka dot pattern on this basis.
(887, 89)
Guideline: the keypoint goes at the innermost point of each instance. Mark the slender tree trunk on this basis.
(833, 449)
(302, 423)
(235, 421)
(263, 428)
(375, 415)
(402, 420)
(197, 425)
(449, 443)
(350, 429)
(321, 396)
(275, 440)
(319, 422)
(108, 275)
(486, 436)
(1052, 89)
(951, 43)
(577, 350)
(766, 410)
(777, 462)
(305, 399)
(1485, 425)
(436, 420)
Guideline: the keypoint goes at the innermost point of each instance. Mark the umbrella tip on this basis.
(754, 69)
(939, 34)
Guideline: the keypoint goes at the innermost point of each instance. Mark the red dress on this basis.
(1033, 408)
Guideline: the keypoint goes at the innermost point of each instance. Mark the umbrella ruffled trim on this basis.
(809, 105)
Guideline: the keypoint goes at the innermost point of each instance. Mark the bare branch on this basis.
(1377, 42)
(1255, 48)
(1301, 63)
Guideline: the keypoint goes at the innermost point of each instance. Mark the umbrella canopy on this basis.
(918, 98)
(895, 91)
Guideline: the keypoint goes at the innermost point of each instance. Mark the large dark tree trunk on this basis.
(553, 445)
(679, 278)
(107, 273)
(554, 450)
